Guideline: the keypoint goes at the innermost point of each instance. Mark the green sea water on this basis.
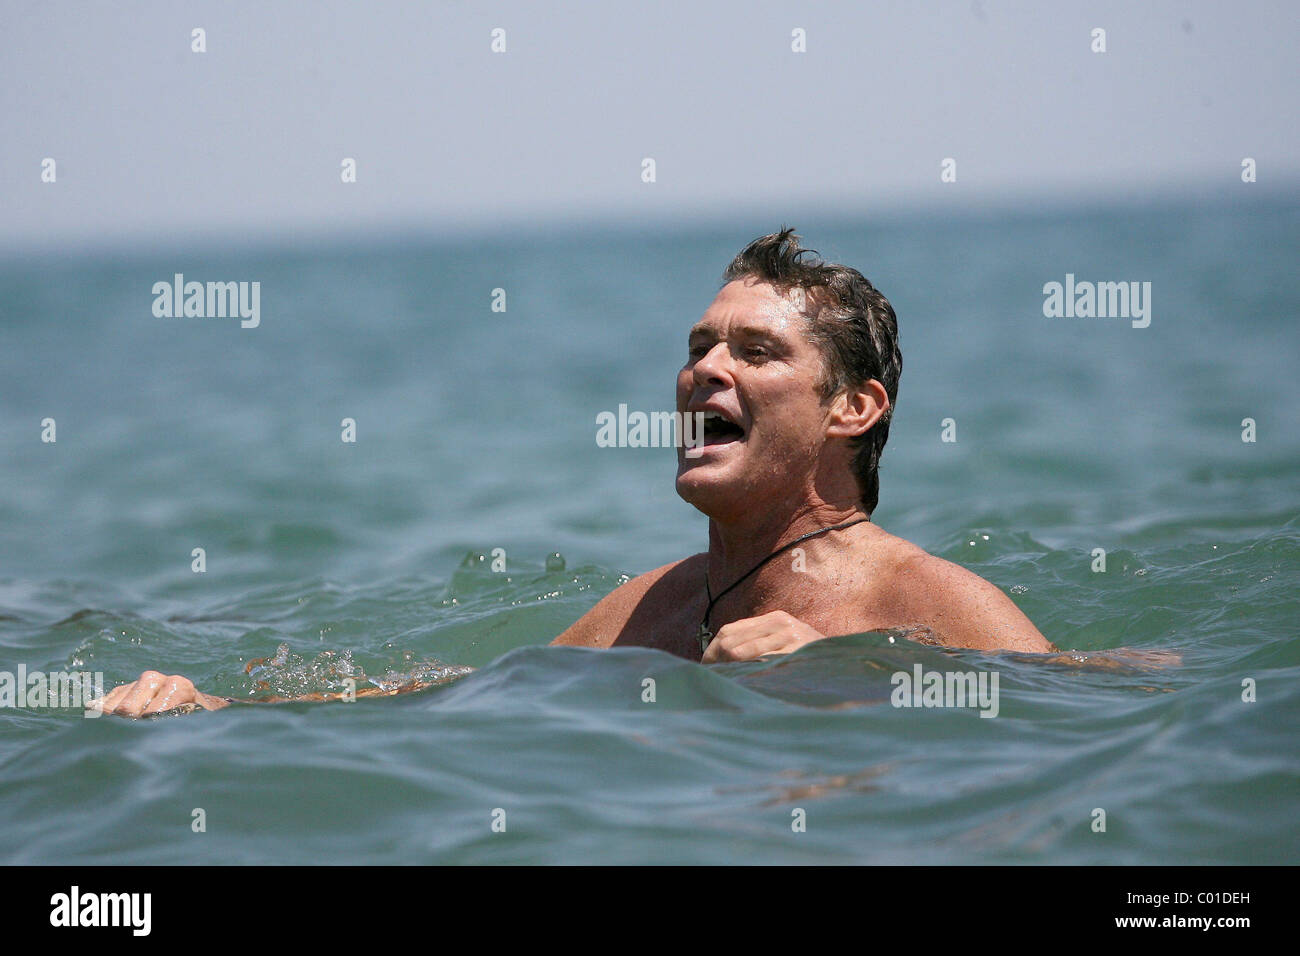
(475, 440)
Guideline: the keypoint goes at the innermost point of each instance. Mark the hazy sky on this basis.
(154, 141)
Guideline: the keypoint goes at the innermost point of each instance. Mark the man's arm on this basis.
(153, 693)
(964, 610)
(156, 693)
(602, 625)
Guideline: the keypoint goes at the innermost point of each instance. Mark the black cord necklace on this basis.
(704, 634)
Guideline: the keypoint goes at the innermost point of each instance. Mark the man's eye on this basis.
(697, 351)
(756, 351)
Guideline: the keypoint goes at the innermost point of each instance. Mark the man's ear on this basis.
(856, 409)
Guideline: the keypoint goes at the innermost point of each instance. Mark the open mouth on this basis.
(719, 429)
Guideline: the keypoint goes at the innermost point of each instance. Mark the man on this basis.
(795, 367)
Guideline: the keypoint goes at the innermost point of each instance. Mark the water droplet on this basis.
(555, 561)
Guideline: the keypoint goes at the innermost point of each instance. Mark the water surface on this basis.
(476, 431)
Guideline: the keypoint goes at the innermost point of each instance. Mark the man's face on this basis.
(751, 362)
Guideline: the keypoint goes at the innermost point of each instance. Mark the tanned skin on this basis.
(750, 359)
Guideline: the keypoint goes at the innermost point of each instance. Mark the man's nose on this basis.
(714, 365)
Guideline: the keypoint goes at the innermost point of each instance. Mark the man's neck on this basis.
(736, 546)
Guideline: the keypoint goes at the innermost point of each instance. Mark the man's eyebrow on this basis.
(750, 331)
(759, 332)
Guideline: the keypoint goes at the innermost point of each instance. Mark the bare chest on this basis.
(838, 603)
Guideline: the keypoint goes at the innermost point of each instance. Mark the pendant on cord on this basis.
(705, 635)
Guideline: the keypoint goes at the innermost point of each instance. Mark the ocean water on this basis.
(475, 431)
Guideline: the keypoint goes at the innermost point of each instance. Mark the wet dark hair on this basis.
(849, 320)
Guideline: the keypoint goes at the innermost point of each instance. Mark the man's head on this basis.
(800, 360)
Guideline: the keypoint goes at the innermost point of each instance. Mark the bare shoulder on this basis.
(601, 626)
(959, 606)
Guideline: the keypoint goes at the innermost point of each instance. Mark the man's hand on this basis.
(754, 637)
(154, 693)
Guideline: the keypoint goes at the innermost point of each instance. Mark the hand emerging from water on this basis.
(774, 633)
(154, 693)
